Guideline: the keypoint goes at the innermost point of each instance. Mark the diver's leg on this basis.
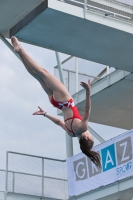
(43, 84)
(59, 90)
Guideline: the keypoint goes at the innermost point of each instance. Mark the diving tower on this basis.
(100, 32)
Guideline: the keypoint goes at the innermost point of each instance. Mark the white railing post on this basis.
(13, 187)
(85, 7)
(6, 176)
(69, 141)
(107, 68)
(42, 178)
(108, 77)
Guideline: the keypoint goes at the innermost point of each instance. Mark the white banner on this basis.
(116, 159)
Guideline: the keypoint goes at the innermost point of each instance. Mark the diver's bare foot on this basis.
(16, 45)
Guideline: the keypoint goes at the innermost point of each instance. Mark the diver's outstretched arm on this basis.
(87, 110)
(86, 114)
(57, 121)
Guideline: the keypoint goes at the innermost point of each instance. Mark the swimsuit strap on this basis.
(71, 126)
(68, 119)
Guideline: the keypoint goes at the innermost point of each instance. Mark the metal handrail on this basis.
(36, 156)
(69, 58)
(40, 175)
(113, 1)
(119, 3)
(80, 73)
(107, 12)
(105, 77)
(22, 173)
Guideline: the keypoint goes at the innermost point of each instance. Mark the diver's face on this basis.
(87, 135)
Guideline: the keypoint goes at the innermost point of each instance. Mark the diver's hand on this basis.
(39, 112)
(86, 86)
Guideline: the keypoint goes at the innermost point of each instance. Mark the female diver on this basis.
(74, 124)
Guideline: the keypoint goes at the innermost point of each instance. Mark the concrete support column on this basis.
(85, 7)
(69, 141)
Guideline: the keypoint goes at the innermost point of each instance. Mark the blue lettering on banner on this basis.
(124, 168)
(108, 158)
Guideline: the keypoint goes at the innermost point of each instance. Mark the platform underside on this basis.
(12, 11)
(56, 27)
(75, 36)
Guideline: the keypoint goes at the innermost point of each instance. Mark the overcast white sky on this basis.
(20, 95)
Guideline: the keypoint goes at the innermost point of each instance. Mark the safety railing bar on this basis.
(22, 173)
(100, 75)
(82, 74)
(77, 2)
(69, 58)
(109, 12)
(3, 170)
(36, 196)
(36, 156)
(120, 3)
(113, 1)
(105, 77)
(60, 179)
(106, 11)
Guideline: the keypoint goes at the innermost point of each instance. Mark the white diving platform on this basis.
(95, 33)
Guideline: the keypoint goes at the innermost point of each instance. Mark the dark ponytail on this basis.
(86, 146)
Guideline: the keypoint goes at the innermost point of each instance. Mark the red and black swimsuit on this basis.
(67, 104)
